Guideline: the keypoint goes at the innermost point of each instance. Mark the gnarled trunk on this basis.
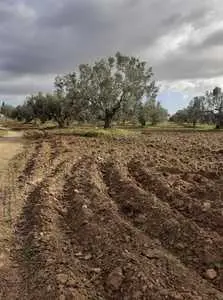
(61, 123)
(219, 123)
(110, 113)
(108, 121)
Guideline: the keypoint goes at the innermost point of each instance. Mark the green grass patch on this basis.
(82, 132)
(3, 132)
(95, 132)
(174, 127)
(117, 132)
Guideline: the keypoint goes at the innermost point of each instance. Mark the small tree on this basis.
(39, 106)
(196, 110)
(142, 113)
(181, 116)
(214, 105)
(69, 91)
(151, 111)
(156, 113)
(25, 112)
(59, 110)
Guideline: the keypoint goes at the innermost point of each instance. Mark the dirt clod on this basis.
(96, 270)
(62, 278)
(115, 279)
(211, 274)
(88, 257)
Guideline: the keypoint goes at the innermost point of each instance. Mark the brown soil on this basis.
(133, 218)
(10, 145)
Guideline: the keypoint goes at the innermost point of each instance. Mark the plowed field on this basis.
(125, 218)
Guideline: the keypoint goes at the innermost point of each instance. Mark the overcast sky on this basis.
(182, 40)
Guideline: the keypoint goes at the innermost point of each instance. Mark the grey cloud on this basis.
(196, 16)
(74, 13)
(179, 67)
(26, 85)
(53, 36)
(214, 39)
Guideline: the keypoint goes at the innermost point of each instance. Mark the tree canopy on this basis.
(203, 109)
(117, 87)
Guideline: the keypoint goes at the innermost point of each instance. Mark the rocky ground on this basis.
(125, 218)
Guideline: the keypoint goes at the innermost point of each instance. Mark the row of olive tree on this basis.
(119, 87)
(203, 109)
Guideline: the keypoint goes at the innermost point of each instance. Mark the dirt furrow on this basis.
(179, 235)
(206, 214)
(102, 238)
(40, 242)
(116, 219)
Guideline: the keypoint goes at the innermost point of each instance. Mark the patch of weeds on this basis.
(96, 132)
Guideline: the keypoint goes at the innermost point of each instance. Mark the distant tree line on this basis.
(118, 88)
(7, 110)
(206, 109)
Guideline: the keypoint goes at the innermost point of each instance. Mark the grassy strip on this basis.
(111, 133)
(82, 132)
(97, 132)
(2, 132)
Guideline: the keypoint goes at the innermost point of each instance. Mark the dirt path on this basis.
(10, 146)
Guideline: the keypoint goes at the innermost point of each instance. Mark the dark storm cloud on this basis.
(70, 31)
(193, 67)
(214, 39)
(80, 14)
(25, 85)
(51, 36)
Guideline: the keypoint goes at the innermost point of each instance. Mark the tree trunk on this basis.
(109, 115)
(67, 122)
(219, 124)
(143, 123)
(61, 124)
(108, 121)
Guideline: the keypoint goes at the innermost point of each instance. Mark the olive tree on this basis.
(109, 89)
(180, 117)
(214, 105)
(196, 110)
(114, 84)
(156, 113)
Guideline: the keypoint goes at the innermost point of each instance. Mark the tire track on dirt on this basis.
(9, 206)
(34, 152)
